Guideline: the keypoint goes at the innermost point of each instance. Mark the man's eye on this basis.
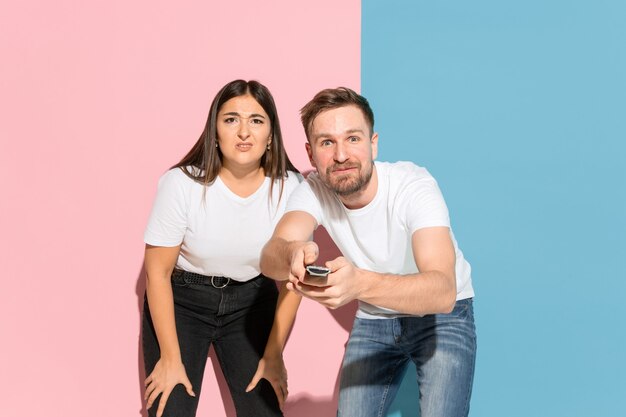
(353, 139)
(326, 143)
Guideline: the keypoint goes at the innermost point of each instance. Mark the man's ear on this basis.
(374, 141)
(309, 152)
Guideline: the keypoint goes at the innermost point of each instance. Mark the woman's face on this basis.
(243, 132)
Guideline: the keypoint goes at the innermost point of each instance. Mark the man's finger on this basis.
(311, 253)
(312, 290)
(336, 263)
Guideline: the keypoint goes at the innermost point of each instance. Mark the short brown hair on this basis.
(333, 98)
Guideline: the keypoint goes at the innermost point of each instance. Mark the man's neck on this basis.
(364, 196)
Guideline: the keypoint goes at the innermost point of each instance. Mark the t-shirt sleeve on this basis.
(168, 221)
(425, 204)
(304, 199)
(293, 180)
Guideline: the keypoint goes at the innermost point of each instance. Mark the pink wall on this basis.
(97, 99)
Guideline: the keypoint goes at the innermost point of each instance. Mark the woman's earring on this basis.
(216, 145)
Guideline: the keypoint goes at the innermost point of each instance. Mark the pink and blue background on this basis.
(517, 108)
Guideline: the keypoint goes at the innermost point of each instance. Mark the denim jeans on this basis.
(442, 347)
(237, 320)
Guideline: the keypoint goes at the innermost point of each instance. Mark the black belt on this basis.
(213, 280)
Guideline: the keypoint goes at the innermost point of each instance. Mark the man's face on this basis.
(342, 149)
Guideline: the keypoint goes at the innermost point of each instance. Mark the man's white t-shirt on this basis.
(221, 233)
(378, 236)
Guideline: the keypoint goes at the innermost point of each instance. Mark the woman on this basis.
(213, 212)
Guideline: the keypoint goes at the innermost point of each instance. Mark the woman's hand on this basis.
(165, 376)
(272, 368)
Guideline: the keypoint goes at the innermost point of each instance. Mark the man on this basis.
(401, 262)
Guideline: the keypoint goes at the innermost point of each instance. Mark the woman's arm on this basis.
(169, 370)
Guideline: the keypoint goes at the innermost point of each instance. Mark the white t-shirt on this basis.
(378, 236)
(221, 233)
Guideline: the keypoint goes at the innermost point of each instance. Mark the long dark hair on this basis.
(206, 158)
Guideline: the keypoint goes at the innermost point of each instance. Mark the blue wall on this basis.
(519, 110)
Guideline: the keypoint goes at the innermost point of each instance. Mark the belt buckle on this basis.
(215, 286)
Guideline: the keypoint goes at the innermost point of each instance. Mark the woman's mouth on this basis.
(244, 146)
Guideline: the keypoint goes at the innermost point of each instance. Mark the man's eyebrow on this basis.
(328, 135)
(234, 113)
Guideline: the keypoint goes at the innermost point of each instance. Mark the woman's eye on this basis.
(229, 120)
(257, 121)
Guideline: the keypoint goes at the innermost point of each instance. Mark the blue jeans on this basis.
(442, 347)
(237, 320)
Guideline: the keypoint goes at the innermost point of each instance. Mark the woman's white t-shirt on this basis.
(221, 233)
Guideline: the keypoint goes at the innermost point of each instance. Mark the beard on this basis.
(348, 184)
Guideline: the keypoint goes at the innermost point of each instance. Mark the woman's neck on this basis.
(242, 181)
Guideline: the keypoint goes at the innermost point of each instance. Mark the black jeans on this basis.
(237, 320)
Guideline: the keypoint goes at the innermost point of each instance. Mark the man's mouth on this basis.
(344, 169)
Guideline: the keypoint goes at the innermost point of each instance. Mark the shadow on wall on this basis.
(344, 316)
(301, 405)
(140, 290)
(304, 405)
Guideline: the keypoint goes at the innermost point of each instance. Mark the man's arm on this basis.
(432, 290)
(289, 249)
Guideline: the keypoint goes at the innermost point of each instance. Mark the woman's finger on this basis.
(152, 397)
(187, 384)
(149, 389)
(162, 401)
(280, 396)
(255, 380)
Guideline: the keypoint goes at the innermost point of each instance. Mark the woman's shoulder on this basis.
(180, 178)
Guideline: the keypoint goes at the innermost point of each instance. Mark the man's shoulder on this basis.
(292, 180)
(402, 171)
(314, 182)
(313, 188)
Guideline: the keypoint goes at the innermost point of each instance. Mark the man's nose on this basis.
(340, 153)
